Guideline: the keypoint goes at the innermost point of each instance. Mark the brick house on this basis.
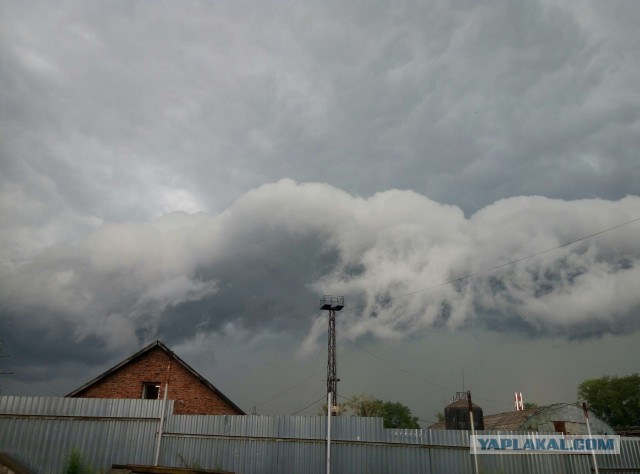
(145, 375)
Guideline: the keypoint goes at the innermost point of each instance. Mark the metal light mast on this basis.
(332, 304)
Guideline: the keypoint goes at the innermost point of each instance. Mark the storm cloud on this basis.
(203, 173)
(263, 263)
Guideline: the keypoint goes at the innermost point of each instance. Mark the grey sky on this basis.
(203, 172)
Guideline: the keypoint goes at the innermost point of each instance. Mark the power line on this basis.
(354, 401)
(395, 366)
(428, 421)
(461, 278)
(309, 389)
(278, 395)
(511, 262)
(291, 387)
(310, 404)
(470, 275)
(448, 389)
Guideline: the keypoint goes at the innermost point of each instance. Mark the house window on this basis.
(150, 390)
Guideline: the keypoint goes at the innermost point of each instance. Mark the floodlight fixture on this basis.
(332, 303)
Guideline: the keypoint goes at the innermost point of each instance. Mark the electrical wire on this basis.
(449, 282)
(291, 387)
(430, 382)
(309, 389)
(428, 421)
(502, 265)
(395, 366)
(512, 262)
(470, 275)
(353, 400)
(310, 404)
(286, 390)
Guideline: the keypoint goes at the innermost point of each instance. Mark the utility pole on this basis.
(474, 451)
(585, 411)
(332, 304)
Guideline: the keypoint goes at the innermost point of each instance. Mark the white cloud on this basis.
(176, 291)
(175, 200)
(388, 254)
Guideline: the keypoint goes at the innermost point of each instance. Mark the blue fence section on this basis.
(42, 431)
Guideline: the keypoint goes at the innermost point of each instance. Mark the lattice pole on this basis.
(331, 304)
(332, 371)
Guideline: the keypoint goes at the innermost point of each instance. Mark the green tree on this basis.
(614, 399)
(365, 406)
(397, 415)
(394, 414)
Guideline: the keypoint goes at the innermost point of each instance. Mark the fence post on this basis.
(161, 427)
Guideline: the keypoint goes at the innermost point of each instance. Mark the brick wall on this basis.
(192, 397)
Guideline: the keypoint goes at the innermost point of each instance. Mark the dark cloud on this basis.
(262, 264)
(127, 109)
(137, 139)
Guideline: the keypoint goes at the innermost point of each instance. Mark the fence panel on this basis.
(42, 431)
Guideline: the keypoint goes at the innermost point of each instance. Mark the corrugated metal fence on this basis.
(42, 431)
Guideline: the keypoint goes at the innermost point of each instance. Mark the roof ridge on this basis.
(157, 343)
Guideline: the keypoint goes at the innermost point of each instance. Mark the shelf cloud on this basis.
(263, 263)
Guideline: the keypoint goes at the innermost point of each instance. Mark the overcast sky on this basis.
(203, 172)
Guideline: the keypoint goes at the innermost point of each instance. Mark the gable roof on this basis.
(141, 352)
